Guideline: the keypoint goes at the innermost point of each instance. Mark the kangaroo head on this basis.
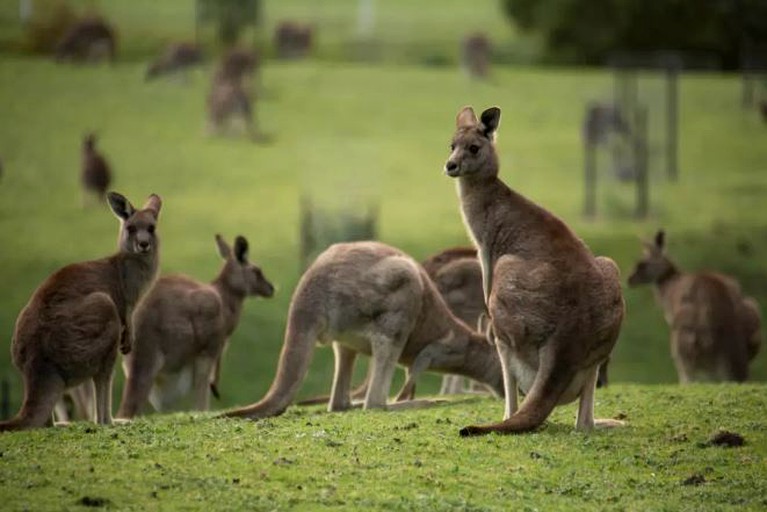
(473, 145)
(89, 141)
(654, 264)
(241, 275)
(137, 227)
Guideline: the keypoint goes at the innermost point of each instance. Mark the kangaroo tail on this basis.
(550, 383)
(297, 351)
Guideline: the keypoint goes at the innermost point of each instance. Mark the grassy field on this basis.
(346, 134)
(311, 460)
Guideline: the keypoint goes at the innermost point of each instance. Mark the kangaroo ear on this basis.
(491, 118)
(120, 205)
(241, 249)
(223, 248)
(660, 239)
(466, 118)
(153, 203)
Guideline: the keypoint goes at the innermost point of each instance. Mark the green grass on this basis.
(347, 133)
(372, 460)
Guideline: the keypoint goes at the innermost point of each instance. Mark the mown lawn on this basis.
(348, 134)
(414, 460)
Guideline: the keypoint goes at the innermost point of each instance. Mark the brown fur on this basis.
(89, 39)
(293, 40)
(715, 330)
(229, 94)
(456, 274)
(556, 309)
(183, 326)
(96, 174)
(71, 328)
(176, 57)
(370, 298)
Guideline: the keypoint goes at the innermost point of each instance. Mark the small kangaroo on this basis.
(89, 39)
(182, 329)
(95, 175)
(556, 310)
(229, 96)
(370, 298)
(71, 328)
(293, 40)
(715, 330)
(176, 57)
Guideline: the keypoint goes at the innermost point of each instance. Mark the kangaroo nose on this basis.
(451, 166)
(143, 245)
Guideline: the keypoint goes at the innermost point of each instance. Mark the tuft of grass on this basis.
(411, 460)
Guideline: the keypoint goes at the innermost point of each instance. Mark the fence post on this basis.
(672, 114)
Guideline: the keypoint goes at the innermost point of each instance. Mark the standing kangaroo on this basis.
(370, 298)
(715, 330)
(229, 94)
(70, 329)
(95, 175)
(556, 310)
(182, 328)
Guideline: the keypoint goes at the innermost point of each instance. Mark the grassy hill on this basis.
(373, 460)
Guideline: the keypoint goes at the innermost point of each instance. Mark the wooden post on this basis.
(589, 162)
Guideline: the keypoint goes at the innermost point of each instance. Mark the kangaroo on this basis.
(182, 328)
(370, 298)
(228, 94)
(89, 39)
(176, 57)
(715, 330)
(556, 310)
(456, 274)
(71, 328)
(293, 40)
(95, 175)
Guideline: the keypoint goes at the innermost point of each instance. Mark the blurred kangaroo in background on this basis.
(95, 175)
(715, 330)
(556, 310)
(293, 40)
(71, 328)
(176, 57)
(370, 298)
(182, 329)
(89, 39)
(229, 96)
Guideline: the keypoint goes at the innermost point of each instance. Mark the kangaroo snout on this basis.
(451, 169)
(144, 246)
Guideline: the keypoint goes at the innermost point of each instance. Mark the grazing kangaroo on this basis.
(556, 310)
(456, 274)
(370, 298)
(176, 57)
(95, 175)
(69, 331)
(229, 95)
(182, 328)
(293, 40)
(715, 330)
(89, 39)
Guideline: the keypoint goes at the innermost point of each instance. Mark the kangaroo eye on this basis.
(452, 147)
(131, 229)
(150, 228)
(474, 149)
